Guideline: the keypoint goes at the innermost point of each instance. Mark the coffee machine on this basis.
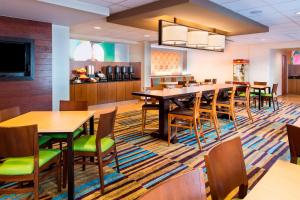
(124, 73)
(130, 72)
(118, 74)
(109, 73)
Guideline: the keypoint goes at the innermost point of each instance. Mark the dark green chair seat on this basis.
(298, 161)
(87, 143)
(44, 139)
(24, 165)
(64, 135)
(243, 94)
(266, 95)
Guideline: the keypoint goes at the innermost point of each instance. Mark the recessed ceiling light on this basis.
(146, 35)
(97, 27)
(298, 13)
(255, 12)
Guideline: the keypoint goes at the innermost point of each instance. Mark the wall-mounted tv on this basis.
(16, 59)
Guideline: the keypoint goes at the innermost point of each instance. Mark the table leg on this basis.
(70, 166)
(259, 99)
(92, 133)
(92, 125)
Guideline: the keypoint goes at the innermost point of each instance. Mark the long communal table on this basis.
(166, 96)
(57, 122)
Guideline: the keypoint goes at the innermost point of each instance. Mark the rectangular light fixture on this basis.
(179, 35)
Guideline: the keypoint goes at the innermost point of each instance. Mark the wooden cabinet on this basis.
(294, 86)
(84, 92)
(108, 92)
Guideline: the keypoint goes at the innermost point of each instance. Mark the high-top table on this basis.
(260, 88)
(282, 181)
(166, 95)
(57, 122)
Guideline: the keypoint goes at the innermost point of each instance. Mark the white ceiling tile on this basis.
(114, 1)
(278, 1)
(117, 8)
(286, 6)
(97, 2)
(135, 3)
(244, 4)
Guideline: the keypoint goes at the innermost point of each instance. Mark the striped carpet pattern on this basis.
(146, 161)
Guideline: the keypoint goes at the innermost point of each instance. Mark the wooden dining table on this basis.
(57, 122)
(282, 181)
(260, 88)
(167, 95)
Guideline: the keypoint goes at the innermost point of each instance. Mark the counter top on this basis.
(71, 82)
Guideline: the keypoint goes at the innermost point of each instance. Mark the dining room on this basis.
(128, 99)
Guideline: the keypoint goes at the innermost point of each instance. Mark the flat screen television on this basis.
(16, 59)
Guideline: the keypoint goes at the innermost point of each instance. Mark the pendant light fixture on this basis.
(216, 41)
(197, 38)
(174, 34)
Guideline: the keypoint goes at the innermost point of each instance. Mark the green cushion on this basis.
(298, 161)
(44, 139)
(243, 94)
(87, 143)
(64, 136)
(24, 165)
(266, 95)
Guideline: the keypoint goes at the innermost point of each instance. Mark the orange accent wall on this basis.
(167, 62)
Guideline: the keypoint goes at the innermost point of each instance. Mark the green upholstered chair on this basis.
(102, 146)
(232, 173)
(271, 97)
(25, 162)
(70, 106)
(13, 112)
(293, 133)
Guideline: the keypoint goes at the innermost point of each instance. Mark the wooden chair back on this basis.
(73, 105)
(9, 113)
(106, 125)
(19, 141)
(293, 133)
(197, 102)
(231, 98)
(183, 83)
(214, 99)
(207, 80)
(274, 89)
(189, 186)
(228, 82)
(260, 83)
(192, 81)
(214, 81)
(226, 169)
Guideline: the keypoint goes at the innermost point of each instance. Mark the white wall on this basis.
(60, 65)
(265, 62)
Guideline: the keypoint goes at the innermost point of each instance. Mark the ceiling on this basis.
(195, 13)
(279, 15)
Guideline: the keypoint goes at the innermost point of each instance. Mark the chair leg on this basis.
(117, 160)
(191, 127)
(216, 126)
(143, 121)
(169, 129)
(36, 186)
(233, 118)
(58, 174)
(249, 111)
(273, 103)
(101, 173)
(65, 170)
(277, 103)
(196, 134)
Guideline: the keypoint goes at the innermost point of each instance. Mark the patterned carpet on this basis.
(146, 161)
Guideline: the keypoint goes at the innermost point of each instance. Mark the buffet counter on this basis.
(104, 92)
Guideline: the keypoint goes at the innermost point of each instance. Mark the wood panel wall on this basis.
(35, 94)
